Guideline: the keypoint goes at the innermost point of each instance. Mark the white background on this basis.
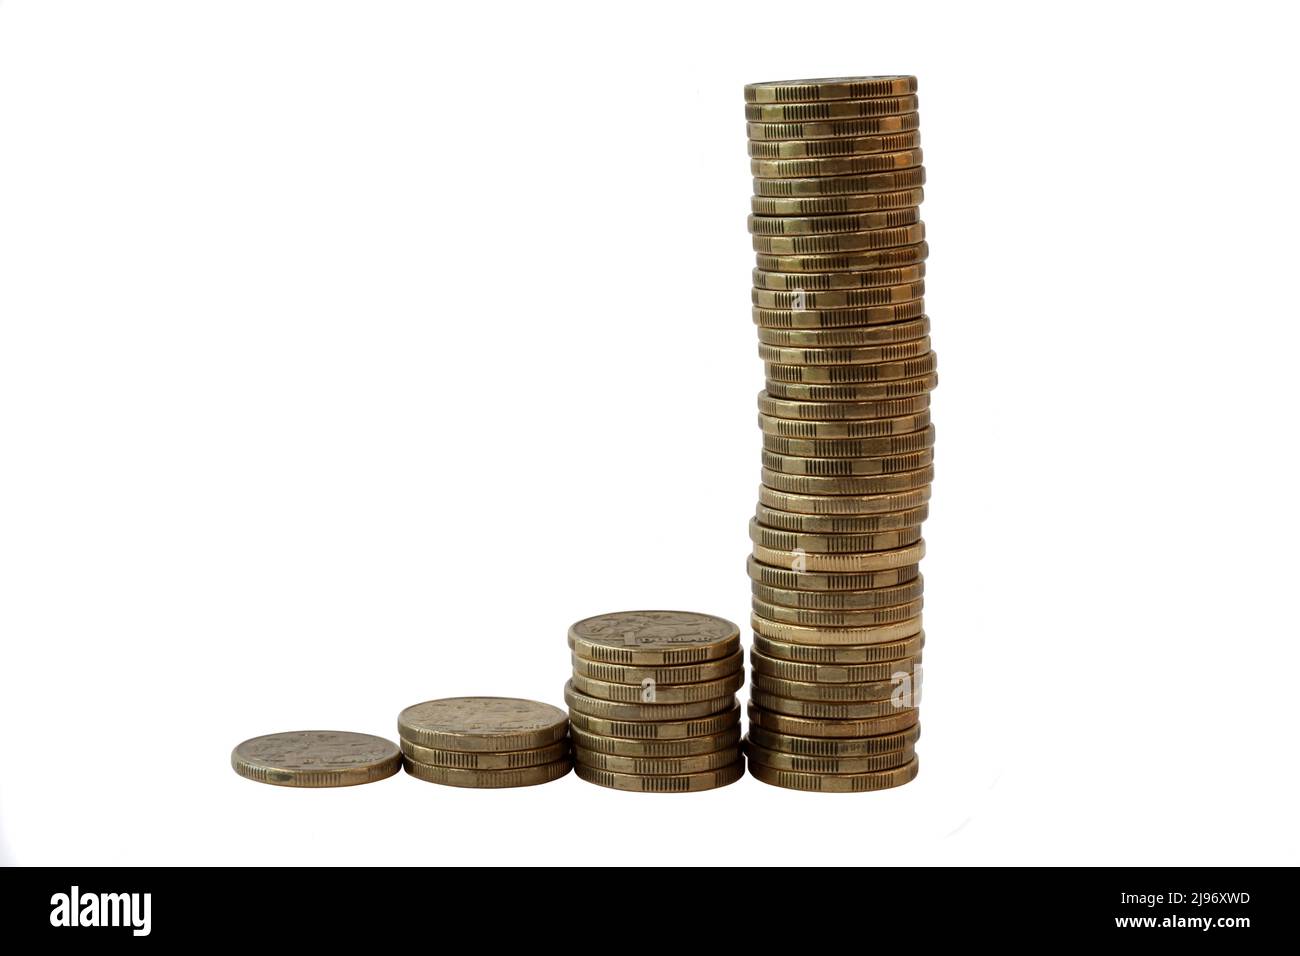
(351, 351)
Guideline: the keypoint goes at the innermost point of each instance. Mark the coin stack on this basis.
(652, 701)
(847, 439)
(484, 742)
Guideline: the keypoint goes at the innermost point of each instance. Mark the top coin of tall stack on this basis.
(847, 439)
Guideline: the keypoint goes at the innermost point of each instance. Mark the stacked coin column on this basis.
(847, 440)
(652, 701)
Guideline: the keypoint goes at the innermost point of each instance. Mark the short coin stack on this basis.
(485, 742)
(652, 702)
(847, 440)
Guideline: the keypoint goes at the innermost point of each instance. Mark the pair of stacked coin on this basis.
(485, 742)
(847, 439)
(652, 702)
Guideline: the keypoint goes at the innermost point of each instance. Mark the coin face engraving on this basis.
(483, 715)
(654, 629)
(316, 750)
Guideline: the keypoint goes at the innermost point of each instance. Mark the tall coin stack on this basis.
(652, 702)
(847, 440)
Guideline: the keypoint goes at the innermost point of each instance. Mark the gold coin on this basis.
(494, 724)
(488, 779)
(660, 675)
(843, 504)
(822, 709)
(867, 355)
(802, 581)
(651, 693)
(812, 617)
(852, 544)
(466, 760)
(654, 637)
(316, 758)
(836, 747)
(818, 186)
(847, 654)
(800, 634)
(836, 782)
(825, 281)
(833, 110)
(656, 729)
(662, 766)
(813, 226)
(854, 337)
(829, 88)
(837, 693)
(818, 727)
(860, 392)
(840, 600)
(777, 760)
(850, 447)
(653, 783)
(829, 433)
(838, 242)
(836, 129)
(824, 148)
(830, 673)
(840, 524)
(841, 411)
(832, 467)
(852, 374)
(803, 300)
(854, 165)
(837, 205)
(612, 710)
(837, 318)
(860, 486)
(897, 257)
(667, 748)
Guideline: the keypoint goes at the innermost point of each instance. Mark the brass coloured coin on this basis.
(657, 729)
(494, 724)
(613, 710)
(835, 129)
(488, 779)
(819, 727)
(830, 110)
(654, 637)
(777, 760)
(829, 88)
(665, 747)
(659, 693)
(480, 760)
(836, 782)
(655, 783)
(316, 758)
(667, 674)
(836, 746)
(844, 654)
(831, 673)
(661, 766)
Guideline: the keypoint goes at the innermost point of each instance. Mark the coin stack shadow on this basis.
(652, 701)
(484, 742)
(847, 439)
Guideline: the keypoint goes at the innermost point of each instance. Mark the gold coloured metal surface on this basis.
(652, 638)
(659, 748)
(659, 783)
(613, 710)
(494, 724)
(842, 654)
(488, 779)
(658, 766)
(657, 729)
(829, 88)
(482, 760)
(316, 758)
(836, 747)
(760, 132)
(778, 760)
(666, 674)
(836, 782)
(821, 727)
